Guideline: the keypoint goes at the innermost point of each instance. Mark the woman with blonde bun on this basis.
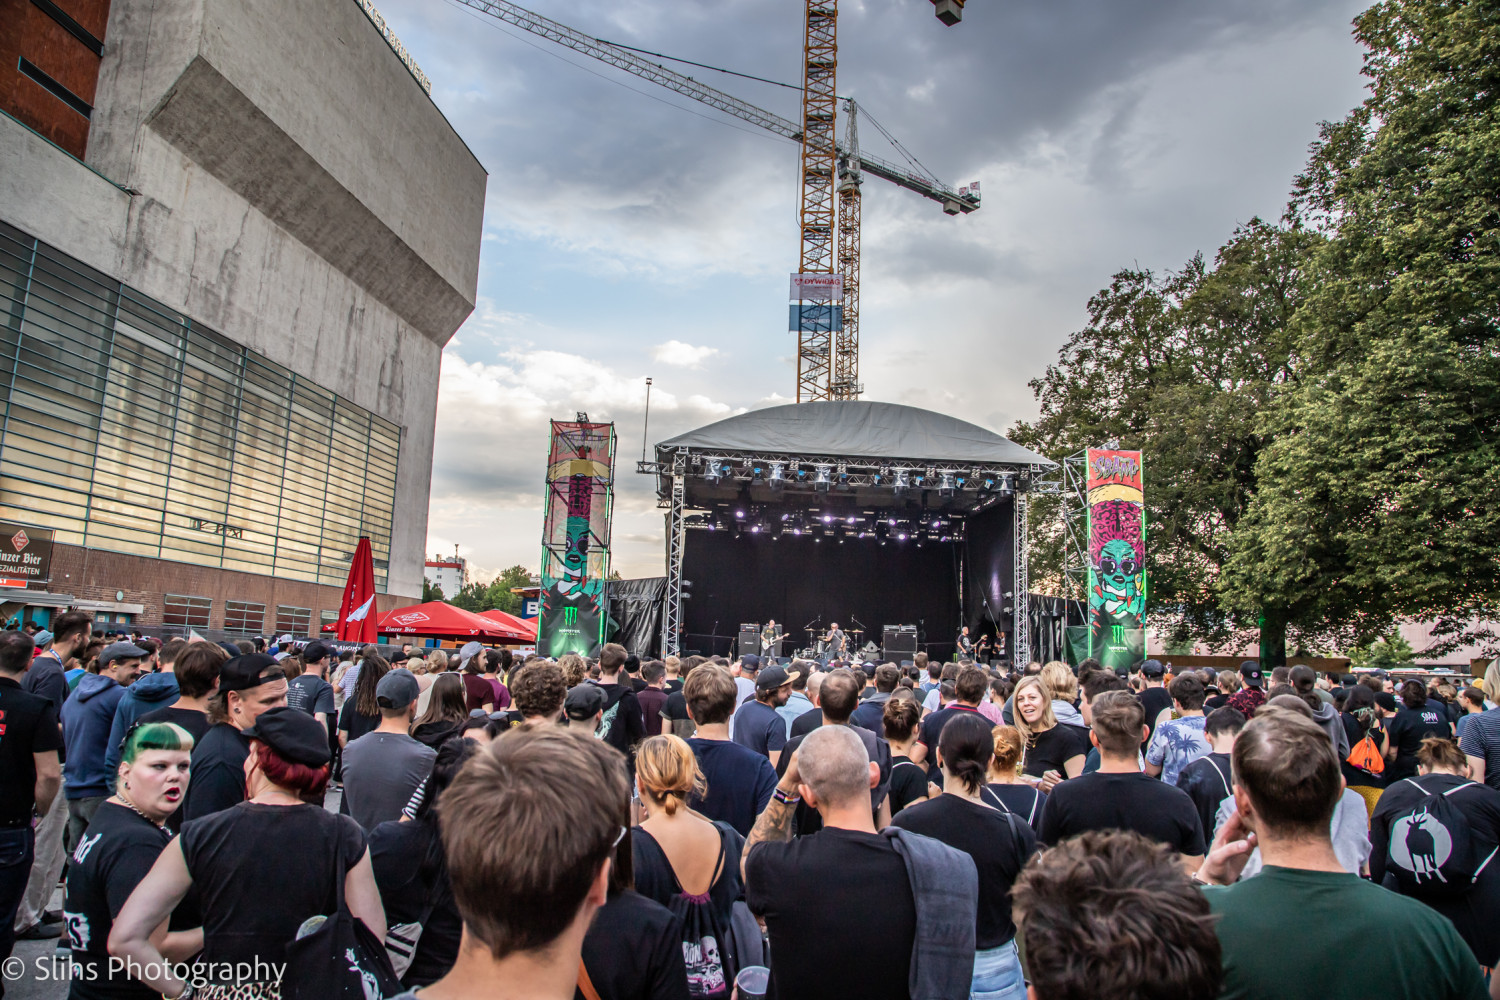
(687, 863)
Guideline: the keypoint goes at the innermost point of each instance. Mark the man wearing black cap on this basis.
(249, 685)
(757, 724)
(584, 708)
(309, 691)
(1155, 699)
(383, 767)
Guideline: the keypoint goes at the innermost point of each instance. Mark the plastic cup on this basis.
(752, 982)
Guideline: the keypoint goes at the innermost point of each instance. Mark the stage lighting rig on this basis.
(945, 485)
(903, 481)
(821, 481)
(778, 476)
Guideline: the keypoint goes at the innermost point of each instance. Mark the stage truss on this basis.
(957, 488)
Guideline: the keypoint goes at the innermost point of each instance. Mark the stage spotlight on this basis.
(1007, 484)
(817, 538)
(945, 485)
(821, 481)
(851, 520)
(827, 518)
(843, 485)
(757, 473)
(754, 529)
(903, 481)
(778, 475)
(900, 536)
(686, 590)
(739, 514)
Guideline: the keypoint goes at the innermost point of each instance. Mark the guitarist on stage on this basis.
(770, 639)
(965, 644)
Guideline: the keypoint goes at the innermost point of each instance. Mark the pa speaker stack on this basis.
(749, 638)
(900, 641)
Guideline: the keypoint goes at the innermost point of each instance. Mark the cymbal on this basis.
(856, 631)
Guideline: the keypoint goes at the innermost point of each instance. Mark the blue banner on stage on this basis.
(820, 316)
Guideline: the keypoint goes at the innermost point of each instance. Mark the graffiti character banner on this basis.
(575, 539)
(1117, 557)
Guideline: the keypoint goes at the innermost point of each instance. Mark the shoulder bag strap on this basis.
(585, 984)
(1220, 771)
(993, 799)
(1036, 803)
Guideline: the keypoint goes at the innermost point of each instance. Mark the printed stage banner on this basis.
(575, 539)
(1117, 557)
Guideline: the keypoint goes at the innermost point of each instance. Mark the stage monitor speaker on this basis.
(900, 640)
(749, 639)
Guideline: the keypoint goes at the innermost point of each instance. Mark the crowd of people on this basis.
(262, 820)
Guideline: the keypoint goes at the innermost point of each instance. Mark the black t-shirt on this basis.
(673, 685)
(1356, 776)
(1153, 700)
(633, 951)
(622, 726)
(311, 694)
(807, 722)
(261, 871)
(356, 723)
(1214, 702)
(1208, 781)
(1134, 801)
(1051, 749)
(191, 719)
(1475, 914)
(806, 819)
(1023, 800)
(908, 782)
(932, 729)
(739, 782)
(839, 909)
(1407, 729)
(117, 851)
(28, 726)
(998, 842)
(409, 884)
(218, 772)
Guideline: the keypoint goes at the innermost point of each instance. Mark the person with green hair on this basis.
(121, 844)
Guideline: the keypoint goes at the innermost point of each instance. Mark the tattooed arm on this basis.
(775, 821)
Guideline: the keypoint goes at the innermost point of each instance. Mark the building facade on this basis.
(450, 574)
(234, 239)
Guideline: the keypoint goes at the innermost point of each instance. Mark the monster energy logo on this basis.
(570, 616)
(1117, 634)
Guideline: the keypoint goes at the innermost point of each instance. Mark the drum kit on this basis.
(818, 647)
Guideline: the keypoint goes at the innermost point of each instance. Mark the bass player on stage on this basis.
(770, 639)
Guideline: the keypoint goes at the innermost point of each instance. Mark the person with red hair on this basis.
(255, 895)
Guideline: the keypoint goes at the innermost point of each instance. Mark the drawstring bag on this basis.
(706, 942)
(338, 957)
(1366, 756)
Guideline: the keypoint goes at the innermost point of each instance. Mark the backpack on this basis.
(1431, 850)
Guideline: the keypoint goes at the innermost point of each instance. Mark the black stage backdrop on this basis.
(636, 608)
(794, 579)
(991, 571)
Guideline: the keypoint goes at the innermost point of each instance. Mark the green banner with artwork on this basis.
(1116, 634)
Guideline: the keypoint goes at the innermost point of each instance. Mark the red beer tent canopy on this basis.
(506, 618)
(440, 620)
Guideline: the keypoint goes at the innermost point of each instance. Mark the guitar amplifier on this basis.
(900, 641)
(749, 638)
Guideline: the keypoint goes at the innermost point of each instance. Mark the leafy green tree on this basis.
(1177, 365)
(431, 591)
(1388, 653)
(1378, 497)
(472, 597)
(499, 593)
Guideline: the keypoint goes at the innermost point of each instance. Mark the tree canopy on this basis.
(1318, 409)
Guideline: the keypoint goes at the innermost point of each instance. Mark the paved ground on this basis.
(42, 978)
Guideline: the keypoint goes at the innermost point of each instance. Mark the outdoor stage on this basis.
(866, 514)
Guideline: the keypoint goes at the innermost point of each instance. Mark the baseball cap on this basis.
(1250, 674)
(119, 651)
(1385, 700)
(294, 734)
(772, 678)
(397, 689)
(1153, 668)
(584, 702)
(285, 640)
(399, 656)
(245, 671)
(42, 638)
(750, 660)
(314, 651)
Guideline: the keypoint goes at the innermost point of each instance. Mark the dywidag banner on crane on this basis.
(817, 287)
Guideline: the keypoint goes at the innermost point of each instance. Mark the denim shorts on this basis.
(997, 974)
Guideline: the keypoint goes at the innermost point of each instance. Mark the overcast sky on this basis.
(630, 232)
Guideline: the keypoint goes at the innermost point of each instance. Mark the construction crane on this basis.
(831, 172)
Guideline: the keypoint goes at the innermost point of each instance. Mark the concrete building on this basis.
(234, 238)
(450, 574)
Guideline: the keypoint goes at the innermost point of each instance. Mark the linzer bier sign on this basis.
(25, 554)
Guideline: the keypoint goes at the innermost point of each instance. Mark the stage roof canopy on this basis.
(856, 429)
(852, 454)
